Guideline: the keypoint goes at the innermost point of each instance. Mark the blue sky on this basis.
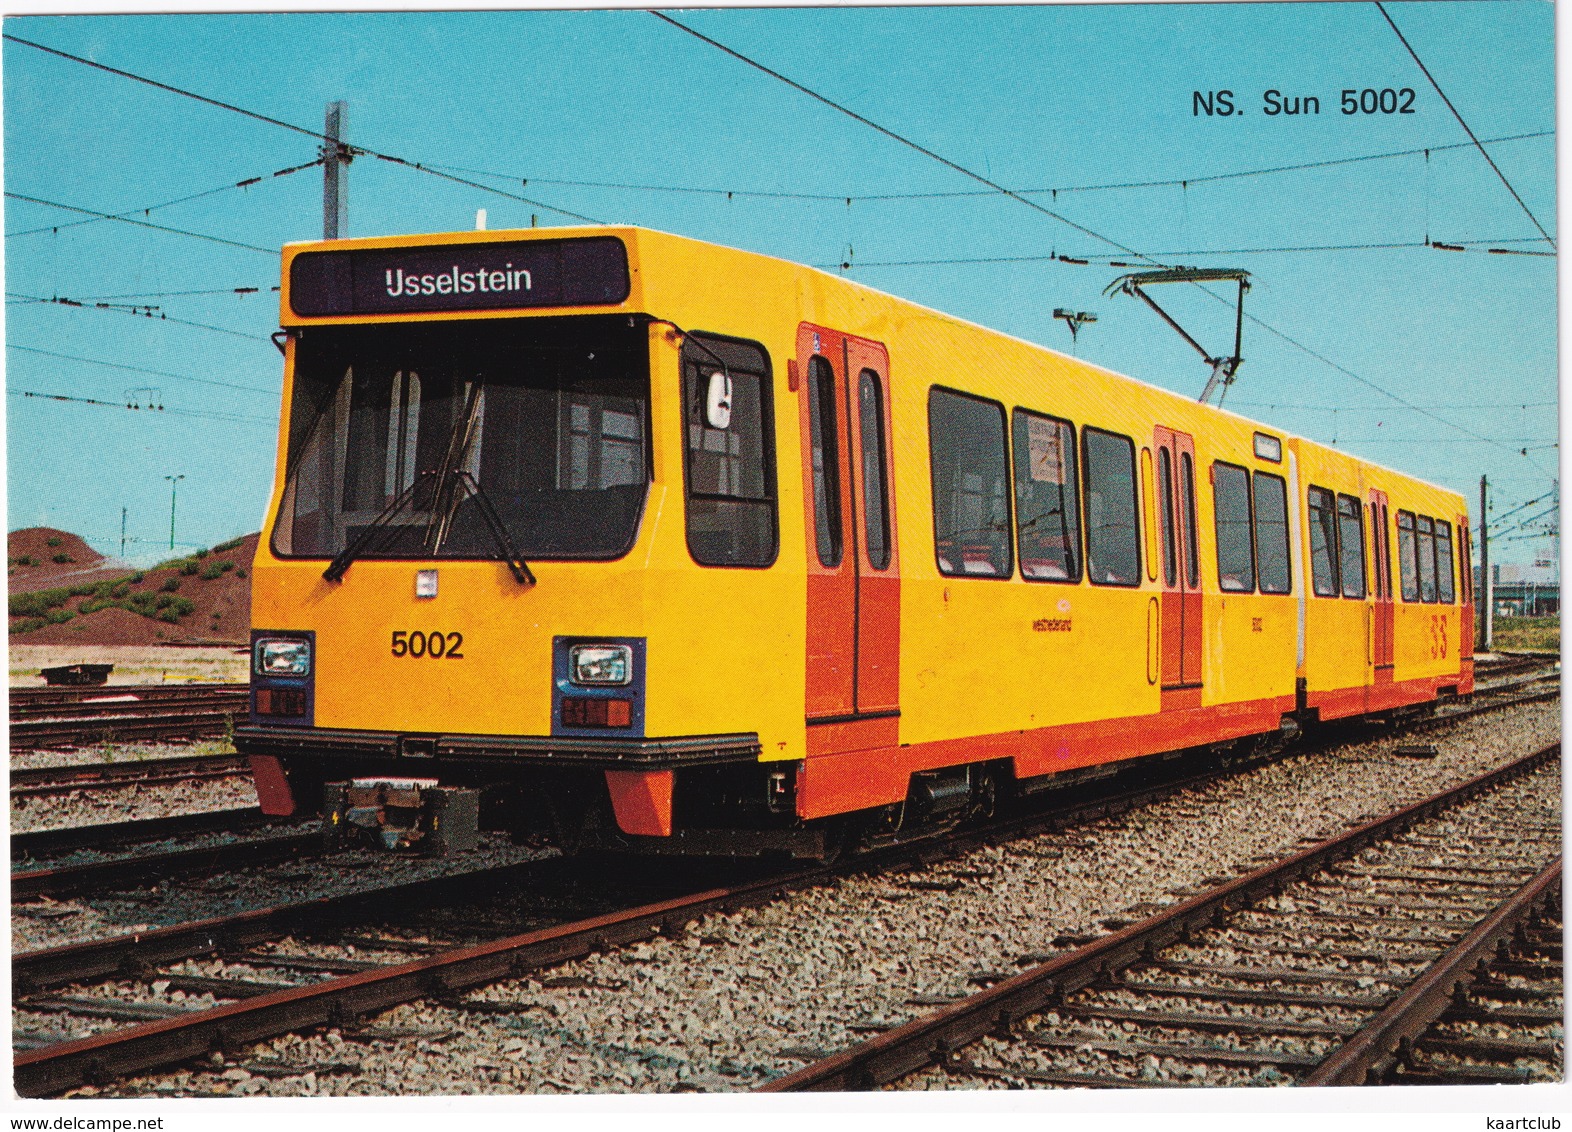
(1041, 97)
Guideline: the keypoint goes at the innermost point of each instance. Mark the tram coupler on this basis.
(408, 814)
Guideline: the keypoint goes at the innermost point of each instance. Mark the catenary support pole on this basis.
(174, 485)
(335, 168)
(1487, 615)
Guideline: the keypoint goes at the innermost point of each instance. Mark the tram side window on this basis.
(1407, 556)
(875, 500)
(1351, 538)
(824, 445)
(1113, 556)
(1271, 534)
(1047, 519)
(971, 486)
(1426, 553)
(1323, 542)
(1235, 557)
(1444, 588)
(731, 518)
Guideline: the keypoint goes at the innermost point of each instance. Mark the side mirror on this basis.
(717, 406)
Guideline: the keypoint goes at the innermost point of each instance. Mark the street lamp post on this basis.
(174, 484)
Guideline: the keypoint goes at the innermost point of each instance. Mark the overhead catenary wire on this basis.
(354, 150)
(146, 209)
(142, 369)
(1386, 408)
(945, 161)
(1523, 507)
(233, 418)
(856, 198)
(141, 223)
(1424, 440)
(179, 294)
(1085, 257)
(139, 312)
(1472, 137)
(1049, 212)
(360, 150)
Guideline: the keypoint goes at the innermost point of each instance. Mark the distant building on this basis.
(1524, 591)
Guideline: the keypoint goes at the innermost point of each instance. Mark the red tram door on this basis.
(854, 592)
(1384, 614)
(1180, 559)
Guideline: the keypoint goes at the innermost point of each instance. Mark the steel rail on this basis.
(1370, 1051)
(142, 772)
(48, 968)
(141, 868)
(123, 729)
(936, 1037)
(31, 702)
(42, 842)
(40, 699)
(104, 1056)
(118, 1053)
(93, 714)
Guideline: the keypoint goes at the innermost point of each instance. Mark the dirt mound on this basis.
(39, 558)
(106, 627)
(203, 598)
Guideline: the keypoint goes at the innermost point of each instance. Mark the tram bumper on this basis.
(292, 764)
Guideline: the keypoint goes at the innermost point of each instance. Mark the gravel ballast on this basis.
(737, 999)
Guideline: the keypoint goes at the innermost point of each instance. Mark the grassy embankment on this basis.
(1527, 634)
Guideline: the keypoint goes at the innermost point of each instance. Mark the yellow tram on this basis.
(647, 542)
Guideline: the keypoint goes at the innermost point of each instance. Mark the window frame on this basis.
(1424, 554)
(1249, 522)
(1445, 594)
(767, 441)
(1009, 487)
(1408, 557)
(1073, 535)
(1256, 475)
(1135, 499)
(315, 398)
(1358, 518)
(1334, 551)
(1192, 558)
(1167, 535)
(887, 550)
(828, 521)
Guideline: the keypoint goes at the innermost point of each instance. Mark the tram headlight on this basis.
(600, 664)
(282, 657)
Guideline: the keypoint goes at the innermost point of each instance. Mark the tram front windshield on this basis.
(408, 430)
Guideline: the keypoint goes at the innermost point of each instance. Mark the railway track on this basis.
(1324, 968)
(34, 846)
(67, 778)
(49, 717)
(1507, 664)
(261, 1007)
(1466, 1045)
(339, 990)
(138, 868)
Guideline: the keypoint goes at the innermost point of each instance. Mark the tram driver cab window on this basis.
(730, 471)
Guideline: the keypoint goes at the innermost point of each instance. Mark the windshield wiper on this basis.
(445, 499)
(445, 502)
(448, 497)
(357, 545)
(499, 533)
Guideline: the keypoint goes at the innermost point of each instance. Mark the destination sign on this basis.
(588, 271)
